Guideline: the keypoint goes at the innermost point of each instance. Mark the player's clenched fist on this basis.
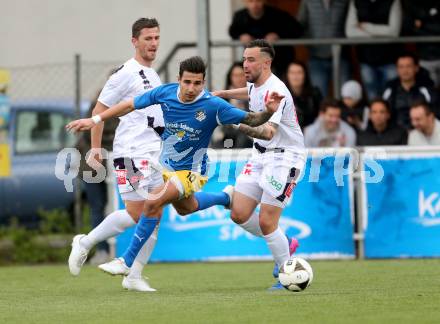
(80, 125)
(272, 101)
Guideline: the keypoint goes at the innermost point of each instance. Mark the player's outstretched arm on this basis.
(95, 158)
(120, 109)
(265, 132)
(239, 93)
(256, 119)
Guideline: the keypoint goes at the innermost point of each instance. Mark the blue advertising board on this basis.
(320, 215)
(403, 209)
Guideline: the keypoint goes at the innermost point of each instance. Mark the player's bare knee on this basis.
(134, 213)
(237, 217)
(182, 211)
(155, 212)
(148, 208)
(152, 207)
(267, 225)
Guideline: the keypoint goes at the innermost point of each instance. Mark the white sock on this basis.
(144, 255)
(252, 225)
(112, 225)
(278, 245)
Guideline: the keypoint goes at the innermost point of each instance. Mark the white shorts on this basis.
(270, 178)
(136, 177)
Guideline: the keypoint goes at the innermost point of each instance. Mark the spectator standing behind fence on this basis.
(370, 19)
(380, 129)
(402, 91)
(227, 136)
(96, 193)
(324, 19)
(354, 107)
(306, 97)
(260, 21)
(329, 130)
(426, 127)
(423, 19)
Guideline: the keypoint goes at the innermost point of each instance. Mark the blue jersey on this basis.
(188, 126)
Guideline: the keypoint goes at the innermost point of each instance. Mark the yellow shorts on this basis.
(187, 182)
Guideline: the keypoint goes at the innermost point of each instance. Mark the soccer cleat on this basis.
(137, 284)
(276, 286)
(77, 256)
(293, 245)
(115, 267)
(229, 190)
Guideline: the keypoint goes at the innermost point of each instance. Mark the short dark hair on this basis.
(194, 64)
(142, 23)
(409, 54)
(421, 103)
(381, 101)
(263, 45)
(329, 102)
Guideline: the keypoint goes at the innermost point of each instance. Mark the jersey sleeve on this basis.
(147, 99)
(115, 88)
(276, 117)
(228, 114)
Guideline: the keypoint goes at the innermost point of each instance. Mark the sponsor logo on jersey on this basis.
(274, 183)
(145, 80)
(200, 115)
(290, 188)
(144, 165)
(121, 176)
(247, 169)
(180, 134)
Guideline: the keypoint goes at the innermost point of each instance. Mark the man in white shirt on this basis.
(136, 149)
(278, 156)
(426, 127)
(328, 130)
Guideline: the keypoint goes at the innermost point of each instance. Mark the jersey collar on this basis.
(190, 102)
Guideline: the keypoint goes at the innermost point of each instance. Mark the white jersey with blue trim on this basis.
(289, 135)
(135, 136)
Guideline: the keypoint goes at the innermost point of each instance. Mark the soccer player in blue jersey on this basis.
(191, 114)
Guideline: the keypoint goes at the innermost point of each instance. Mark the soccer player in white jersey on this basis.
(278, 155)
(136, 149)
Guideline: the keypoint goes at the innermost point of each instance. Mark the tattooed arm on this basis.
(264, 132)
(256, 119)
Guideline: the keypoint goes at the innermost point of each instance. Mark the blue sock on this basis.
(208, 199)
(143, 231)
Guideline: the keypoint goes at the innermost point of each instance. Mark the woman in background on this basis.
(227, 136)
(306, 97)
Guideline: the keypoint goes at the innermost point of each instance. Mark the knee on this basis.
(238, 217)
(134, 213)
(267, 225)
(152, 208)
(183, 211)
(157, 212)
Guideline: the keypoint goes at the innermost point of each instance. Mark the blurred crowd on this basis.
(390, 93)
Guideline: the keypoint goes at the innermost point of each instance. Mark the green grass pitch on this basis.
(382, 291)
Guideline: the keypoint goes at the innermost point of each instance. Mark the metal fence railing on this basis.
(335, 43)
